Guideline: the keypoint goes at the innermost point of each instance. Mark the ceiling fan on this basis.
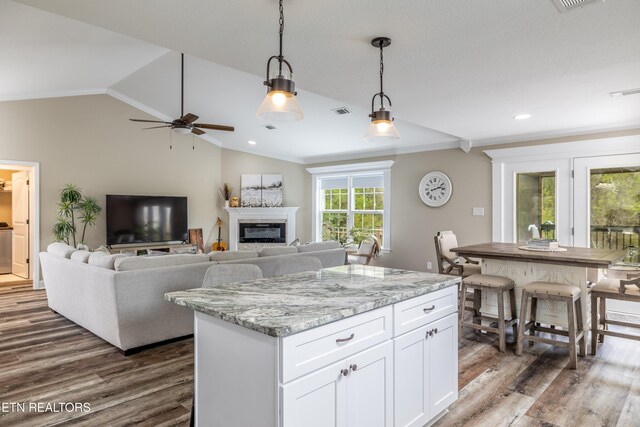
(186, 123)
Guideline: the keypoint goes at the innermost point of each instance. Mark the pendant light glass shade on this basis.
(280, 104)
(379, 129)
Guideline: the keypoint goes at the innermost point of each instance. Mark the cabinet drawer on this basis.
(310, 350)
(416, 312)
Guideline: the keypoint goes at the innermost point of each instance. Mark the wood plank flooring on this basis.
(47, 358)
(536, 389)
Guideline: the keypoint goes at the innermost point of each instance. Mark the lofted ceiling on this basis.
(44, 54)
(456, 69)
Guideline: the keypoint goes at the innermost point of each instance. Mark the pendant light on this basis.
(280, 103)
(381, 120)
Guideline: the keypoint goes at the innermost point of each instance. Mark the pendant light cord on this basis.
(280, 57)
(381, 73)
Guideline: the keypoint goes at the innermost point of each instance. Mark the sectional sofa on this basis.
(120, 298)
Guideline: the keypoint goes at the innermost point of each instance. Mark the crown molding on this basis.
(60, 94)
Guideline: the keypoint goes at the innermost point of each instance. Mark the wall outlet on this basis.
(429, 266)
(478, 211)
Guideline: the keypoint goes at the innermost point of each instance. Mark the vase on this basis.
(226, 203)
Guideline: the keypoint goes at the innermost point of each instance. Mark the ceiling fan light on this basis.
(281, 106)
(182, 130)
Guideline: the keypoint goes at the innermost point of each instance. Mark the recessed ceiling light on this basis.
(522, 116)
(251, 142)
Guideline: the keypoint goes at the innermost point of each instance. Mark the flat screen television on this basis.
(146, 219)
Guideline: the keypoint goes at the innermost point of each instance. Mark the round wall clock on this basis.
(435, 189)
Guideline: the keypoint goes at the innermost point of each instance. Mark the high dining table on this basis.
(570, 266)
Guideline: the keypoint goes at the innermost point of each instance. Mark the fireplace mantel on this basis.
(239, 214)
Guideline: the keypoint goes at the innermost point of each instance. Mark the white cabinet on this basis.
(356, 392)
(426, 371)
(380, 368)
(317, 399)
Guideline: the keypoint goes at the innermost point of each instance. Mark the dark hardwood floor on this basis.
(48, 359)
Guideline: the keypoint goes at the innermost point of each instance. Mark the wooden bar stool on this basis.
(489, 283)
(559, 292)
(618, 289)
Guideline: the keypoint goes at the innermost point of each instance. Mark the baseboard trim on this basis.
(135, 350)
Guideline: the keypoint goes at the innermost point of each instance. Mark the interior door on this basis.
(20, 214)
(537, 201)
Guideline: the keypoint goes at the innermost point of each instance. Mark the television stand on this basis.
(141, 249)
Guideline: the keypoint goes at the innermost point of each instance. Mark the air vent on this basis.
(270, 127)
(567, 5)
(341, 111)
(625, 92)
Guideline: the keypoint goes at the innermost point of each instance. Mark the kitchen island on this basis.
(346, 346)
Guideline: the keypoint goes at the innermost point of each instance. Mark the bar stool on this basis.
(489, 283)
(558, 292)
(617, 289)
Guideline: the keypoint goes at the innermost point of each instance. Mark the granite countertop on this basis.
(285, 305)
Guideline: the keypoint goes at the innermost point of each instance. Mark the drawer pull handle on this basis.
(427, 310)
(353, 367)
(344, 372)
(339, 340)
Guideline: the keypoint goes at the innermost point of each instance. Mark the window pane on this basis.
(379, 199)
(615, 208)
(334, 226)
(535, 205)
(365, 224)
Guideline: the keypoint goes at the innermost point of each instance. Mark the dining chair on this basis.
(449, 262)
(368, 249)
(221, 274)
(291, 265)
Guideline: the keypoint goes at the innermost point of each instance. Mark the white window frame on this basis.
(506, 159)
(351, 171)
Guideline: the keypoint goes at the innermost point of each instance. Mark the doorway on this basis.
(19, 223)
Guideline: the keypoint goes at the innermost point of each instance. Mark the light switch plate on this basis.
(478, 211)
(429, 266)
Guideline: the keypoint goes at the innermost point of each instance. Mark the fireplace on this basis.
(283, 218)
(262, 232)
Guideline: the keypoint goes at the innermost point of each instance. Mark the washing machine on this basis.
(5, 250)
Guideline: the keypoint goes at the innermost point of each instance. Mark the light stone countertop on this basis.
(285, 305)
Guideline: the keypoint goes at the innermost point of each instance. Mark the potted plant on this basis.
(73, 205)
(226, 191)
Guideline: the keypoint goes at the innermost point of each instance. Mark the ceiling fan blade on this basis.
(150, 121)
(189, 118)
(214, 127)
(197, 131)
(158, 127)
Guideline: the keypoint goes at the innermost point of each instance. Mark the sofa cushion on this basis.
(60, 249)
(144, 262)
(319, 246)
(81, 256)
(104, 260)
(278, 250)
(231, 255)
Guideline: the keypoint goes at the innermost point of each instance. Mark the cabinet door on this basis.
(370, 387)
(411, 367)
(443, 364)
(317, 399)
